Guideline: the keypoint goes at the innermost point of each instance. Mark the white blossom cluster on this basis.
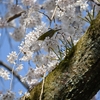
(8, 96)
(12, 57)
(28, 2)
(14, 9)
(19, 67)
(61, 14)
(4, 74)
(18, 33)
(2, 23)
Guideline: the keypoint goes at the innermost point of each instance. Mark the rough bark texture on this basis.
(78, 77)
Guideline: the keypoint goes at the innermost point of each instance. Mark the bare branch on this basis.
(14, 17)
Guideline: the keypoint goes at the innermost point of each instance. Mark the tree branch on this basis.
(15, 74)
(79, 77)
(14, 16)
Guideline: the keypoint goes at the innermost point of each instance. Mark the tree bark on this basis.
(76, 77)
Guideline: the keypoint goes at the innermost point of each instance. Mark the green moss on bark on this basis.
(76, 78)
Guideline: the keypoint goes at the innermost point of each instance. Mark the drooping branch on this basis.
(15, 74)
(79, 77)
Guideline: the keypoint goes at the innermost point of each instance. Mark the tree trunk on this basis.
(76, 77)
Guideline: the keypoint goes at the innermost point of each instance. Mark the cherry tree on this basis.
(48, 32)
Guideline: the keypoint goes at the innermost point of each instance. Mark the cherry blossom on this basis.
(4, 74)
(12, 57)
(35, 20)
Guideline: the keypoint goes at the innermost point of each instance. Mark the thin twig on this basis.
(54, 12)
(12, 77)
(45, 15)
(42, 86)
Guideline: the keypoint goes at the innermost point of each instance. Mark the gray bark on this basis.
(78, 76)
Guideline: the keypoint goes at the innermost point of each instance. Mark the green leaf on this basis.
(93, 11)
(84, 19)
(98, 1)
(49, 33)
(90, 16)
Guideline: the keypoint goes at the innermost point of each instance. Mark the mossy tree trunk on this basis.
(79, 77)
